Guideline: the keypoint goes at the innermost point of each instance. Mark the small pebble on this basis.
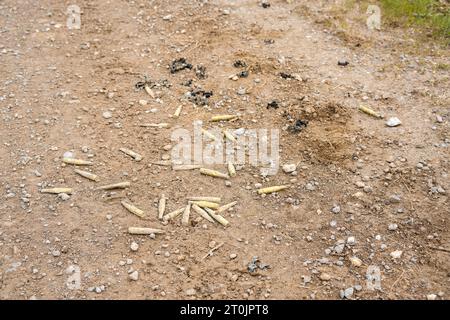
(134, 246)
(107, 115)
(396, 254)
(190, 292)
(134, 276)
(393, 122)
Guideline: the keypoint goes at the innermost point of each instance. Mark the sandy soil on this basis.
(390, 184)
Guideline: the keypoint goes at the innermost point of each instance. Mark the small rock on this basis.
(63, 196)
(355, 261)
(347, 293)
(396, 254)
(336, 209)
(107, 115)
(134, 276)
(393, 122)
(56, 253)
(325, 276)
(431, 296)
(241, 91)
(351, 241)
(339, 248)
(289, 168)
(392, 227)
(68, 154)
(395, 198)
(134, 246)
(233, 256)
(190, 292)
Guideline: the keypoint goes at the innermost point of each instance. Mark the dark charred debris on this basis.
(285, 75)
(140, 85)
(179, 64)
(273, 105)
(298, 126)
(200, 71)
(199, 97)
(265, 4)
(256, 264)
(240, 64)
(187, 83)
(243, 74)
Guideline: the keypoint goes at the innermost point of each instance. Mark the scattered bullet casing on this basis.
(173, 214)
(163, 163)
(87, 175)
(178, 111)
(202, 212)
(231, 169)
(161, 207)
(57, 190)
(206, 204)
(272, 189)
(225, 207)
(186, 213)
(131, 153)
(182, 167)
(77, 162)
(144, 231)
(217, 217)
(209, 134)
(155, 125)
(120, 185)
(223, 117)
(133, 209)
(210, 199)
(229, 136)
(214, 173)
(369, 112)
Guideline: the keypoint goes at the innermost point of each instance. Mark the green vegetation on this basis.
(431, 14)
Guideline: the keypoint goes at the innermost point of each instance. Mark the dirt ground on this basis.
(364, 194)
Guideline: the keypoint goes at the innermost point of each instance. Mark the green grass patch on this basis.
(434, 15)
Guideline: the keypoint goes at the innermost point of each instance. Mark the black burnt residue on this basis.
(179, 64)
(298, 126)
(200, 97)
(273, 104)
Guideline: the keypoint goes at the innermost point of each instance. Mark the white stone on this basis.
(288, 168)
(190, 292)
(431, 296)
(351, 241)
(107, 115)
(134, 246)
(393, 122)
(134, 276)
(68, 154)
(396, 254)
